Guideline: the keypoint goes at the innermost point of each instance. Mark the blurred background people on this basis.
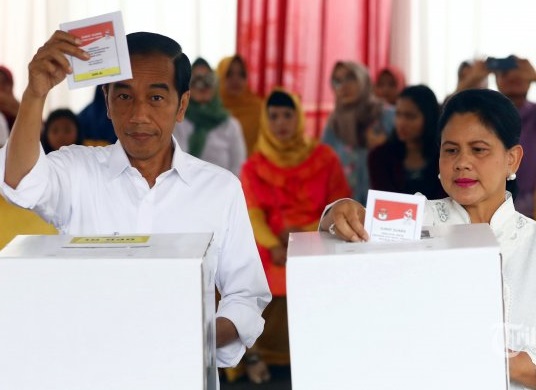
(359, 123)
(287, 182)
(61, 129)
(388, 84)
(208, 131)
(9, 105)
(471, 74)
(95, 126)
(239, 99)
(515, 84)
(408, 161)
(4, 130)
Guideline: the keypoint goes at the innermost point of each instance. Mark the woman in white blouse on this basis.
(479, 156)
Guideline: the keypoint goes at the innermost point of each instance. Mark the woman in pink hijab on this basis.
(388, 83)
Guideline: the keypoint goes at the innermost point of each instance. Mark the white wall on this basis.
(432, 37)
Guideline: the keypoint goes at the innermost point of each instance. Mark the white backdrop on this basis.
(429, 37)
(432, 37)
(202, 27)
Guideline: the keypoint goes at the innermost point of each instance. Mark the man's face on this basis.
(144, 109)
(512, 84)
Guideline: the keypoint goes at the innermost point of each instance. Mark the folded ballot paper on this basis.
(103, 37)
(393, 217)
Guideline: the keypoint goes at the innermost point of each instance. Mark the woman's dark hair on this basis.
(200, 61)
(56, 114)
(426, 101)
(150, 43)
(280, 99)
(494, 110)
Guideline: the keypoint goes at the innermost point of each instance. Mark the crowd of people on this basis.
(382, 134)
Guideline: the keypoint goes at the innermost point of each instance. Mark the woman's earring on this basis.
(439, 176)
(511, 177)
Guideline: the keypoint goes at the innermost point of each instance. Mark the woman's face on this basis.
(474, 163)
(345, 85)
(283, 122)
(61, 132)
(409, 121)
(202, 85)
(386, 87)
(235, 80)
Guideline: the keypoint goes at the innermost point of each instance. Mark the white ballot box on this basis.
(107, 313)
(418, 315)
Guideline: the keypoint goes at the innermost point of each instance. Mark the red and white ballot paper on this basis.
(392, 217)
(103, 37)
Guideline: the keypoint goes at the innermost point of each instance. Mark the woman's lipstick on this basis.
(464, 182)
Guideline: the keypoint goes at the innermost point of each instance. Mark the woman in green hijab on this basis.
(208, 130)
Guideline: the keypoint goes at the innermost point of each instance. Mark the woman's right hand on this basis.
(50, 66)
(348, 217)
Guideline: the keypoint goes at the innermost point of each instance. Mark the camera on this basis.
(501, 64)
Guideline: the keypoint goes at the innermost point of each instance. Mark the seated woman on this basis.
(359, 123)
(208, 131)
(61, 129)
(407, 162)
(286, 183)
(388, 84)
(239, 99)
(478, 159)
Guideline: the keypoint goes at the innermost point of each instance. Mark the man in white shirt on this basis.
(144, 183)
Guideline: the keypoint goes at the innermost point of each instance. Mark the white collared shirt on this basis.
(95, 191)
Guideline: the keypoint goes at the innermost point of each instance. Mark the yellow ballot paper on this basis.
(103, 37)
(394, 217)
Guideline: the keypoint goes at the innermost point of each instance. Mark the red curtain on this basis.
(294, 43)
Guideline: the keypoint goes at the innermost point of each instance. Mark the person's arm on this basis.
(48, 67)
(476, 75)
(241, 281)
(226, 332)
(348, 217)
(522, 370)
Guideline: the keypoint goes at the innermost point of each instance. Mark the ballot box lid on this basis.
(433, 238)
(181, 245)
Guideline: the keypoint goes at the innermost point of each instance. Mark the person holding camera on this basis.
(514, 82)
(472, 74)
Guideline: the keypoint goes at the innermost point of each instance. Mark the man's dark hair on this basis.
(280, 99)
(151, 43)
